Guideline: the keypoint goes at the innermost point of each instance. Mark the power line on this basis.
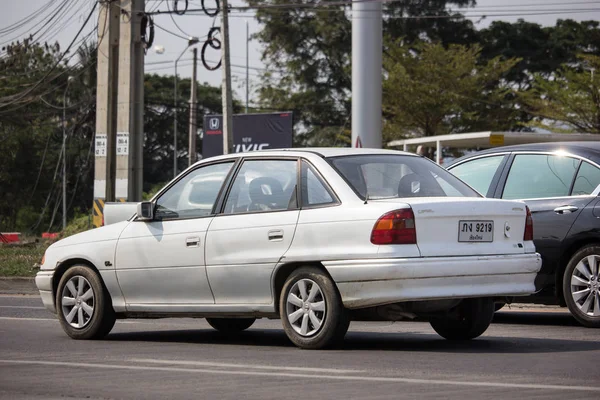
(25, 93)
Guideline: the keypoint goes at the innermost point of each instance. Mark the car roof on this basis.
(589, 150)
(319, 151)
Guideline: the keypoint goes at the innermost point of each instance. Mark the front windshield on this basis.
(392, 176)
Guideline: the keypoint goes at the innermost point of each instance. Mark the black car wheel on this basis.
(581, 286)
(311, 310)
(83, 305)
(230, 325)
(470, 320)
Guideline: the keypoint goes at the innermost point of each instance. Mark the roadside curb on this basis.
(18, 285)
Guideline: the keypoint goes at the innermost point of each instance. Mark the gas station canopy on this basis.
(482, 140)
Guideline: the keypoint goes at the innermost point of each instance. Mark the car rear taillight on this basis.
(528, 235)
(395, 227)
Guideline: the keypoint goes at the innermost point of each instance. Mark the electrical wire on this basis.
(2, 105)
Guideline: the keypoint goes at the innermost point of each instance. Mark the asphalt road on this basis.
(527, 355)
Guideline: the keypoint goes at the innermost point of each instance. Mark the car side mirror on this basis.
(145, 211)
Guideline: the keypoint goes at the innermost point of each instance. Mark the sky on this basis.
(172, 31)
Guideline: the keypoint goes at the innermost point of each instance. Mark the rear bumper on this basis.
(372, 282)
(43, 281)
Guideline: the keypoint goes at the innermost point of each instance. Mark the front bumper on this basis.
(373, 282)
(43, 281)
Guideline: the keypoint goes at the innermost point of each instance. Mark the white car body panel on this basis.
(117, 212)
(246, 272)
(147, 267)
(155, 264)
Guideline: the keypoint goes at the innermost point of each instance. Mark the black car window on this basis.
(479, 173)
(389, 176)
(588, 179)
(534, 176)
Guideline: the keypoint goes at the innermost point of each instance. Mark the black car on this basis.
(560, 183)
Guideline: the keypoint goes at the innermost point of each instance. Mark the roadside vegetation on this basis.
(23, 260)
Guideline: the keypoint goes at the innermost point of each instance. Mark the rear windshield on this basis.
(390, 176)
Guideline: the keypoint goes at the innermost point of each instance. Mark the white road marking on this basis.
(245, 366)
(119, 321)
(27, 319)
(352, 378)
(29, 307)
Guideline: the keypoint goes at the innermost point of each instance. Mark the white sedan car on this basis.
(316, 237)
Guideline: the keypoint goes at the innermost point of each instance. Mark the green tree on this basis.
(541, 49)
(158, 124)
(308, 56)
(570, 100)
(432, 90)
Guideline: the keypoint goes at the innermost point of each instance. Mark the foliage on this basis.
(570, 101)
(32, 98)
(78, 224)
(31, 133)
(541, 49)
(308, 54)
(432, 90)
(20, 260)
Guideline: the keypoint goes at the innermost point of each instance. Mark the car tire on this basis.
(230, 325)
(311, 310)
(581, 286)
(83, 304)
(470, 320)
(499, 306)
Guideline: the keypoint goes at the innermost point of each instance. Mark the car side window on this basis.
(479, 173)
(587, 180)
(314, 190)
(534, 176)
(194, 195)
(263, 185)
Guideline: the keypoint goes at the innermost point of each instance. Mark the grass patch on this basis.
(21, 260)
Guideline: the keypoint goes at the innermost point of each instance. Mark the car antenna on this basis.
(366, 194)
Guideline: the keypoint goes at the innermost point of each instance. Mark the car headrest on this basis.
(265, 190)
(410, 186)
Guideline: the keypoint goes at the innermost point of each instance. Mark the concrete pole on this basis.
(367, 47)
(193, 106)
(130, 111)
(226, 86)
(106, 103)
(175, 119)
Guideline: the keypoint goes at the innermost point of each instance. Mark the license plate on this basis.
(475, 231)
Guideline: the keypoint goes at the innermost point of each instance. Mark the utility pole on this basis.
(106, 106)
(64, 149)
(247, 66)
(226, 87)
(130, 110)
(367, 46)
(193, 106)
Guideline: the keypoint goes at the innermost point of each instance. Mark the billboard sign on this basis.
(251, 132)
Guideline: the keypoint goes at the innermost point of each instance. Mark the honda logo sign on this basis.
(214, 123)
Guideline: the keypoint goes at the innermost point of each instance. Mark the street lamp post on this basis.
(64, 149)
(191, 41)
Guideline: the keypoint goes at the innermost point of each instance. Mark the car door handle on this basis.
(276, 235)
(193, 241)
(565, 209)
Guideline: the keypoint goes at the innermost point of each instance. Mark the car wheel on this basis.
(499, 306)
(230, 325)
(83, 304)
(581, 286)
(471, 319)
(311, 310)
